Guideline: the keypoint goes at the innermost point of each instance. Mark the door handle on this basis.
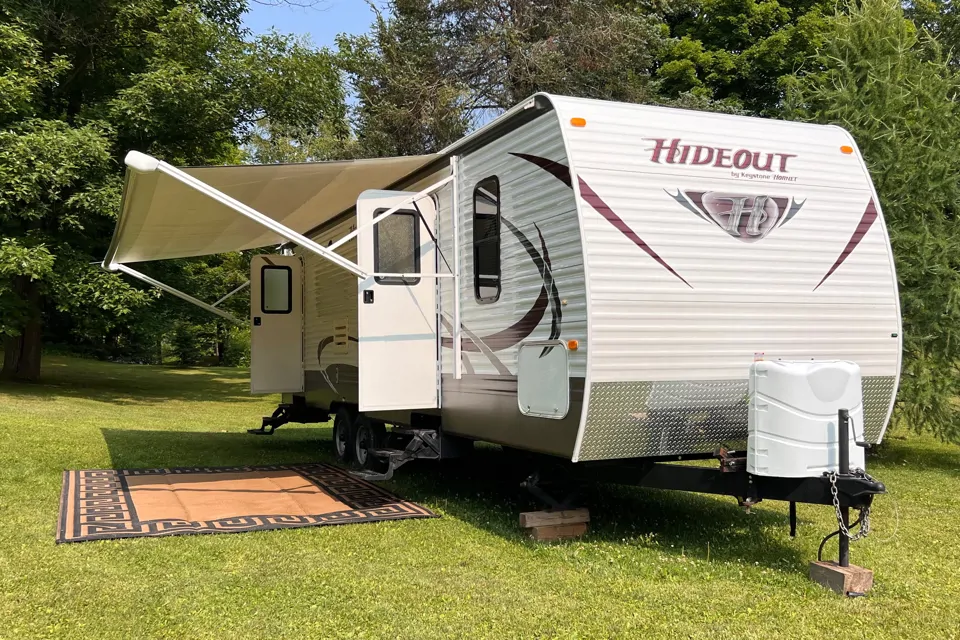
(256, 321)
(368, 296)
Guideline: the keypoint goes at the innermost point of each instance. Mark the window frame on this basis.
(416, 248)
(476, 274)
(263, 287)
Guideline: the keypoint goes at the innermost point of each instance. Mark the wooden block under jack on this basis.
(549, 518)
(558, 531)
(842, 580)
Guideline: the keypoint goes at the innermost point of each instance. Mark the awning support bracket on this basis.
(229, 295)
(180, 294)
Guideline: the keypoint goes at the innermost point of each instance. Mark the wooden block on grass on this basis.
(842, 580)
(549, 518)
(558, 531)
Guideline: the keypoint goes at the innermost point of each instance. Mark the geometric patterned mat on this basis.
(101, 504)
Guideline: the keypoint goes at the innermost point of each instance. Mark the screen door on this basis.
(397, 319)
(276, 324)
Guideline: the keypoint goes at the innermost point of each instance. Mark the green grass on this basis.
(643, 571)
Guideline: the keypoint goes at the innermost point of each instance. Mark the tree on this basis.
(56, 182)
(431, 69)
(942, 20)
(506, 50)
(738, 51)
(84, 81)
(894, 90)
(409, 100)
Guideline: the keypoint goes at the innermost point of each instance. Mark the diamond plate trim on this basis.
(877, 393)
(676, 417)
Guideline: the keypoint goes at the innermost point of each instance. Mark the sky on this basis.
(321, 22)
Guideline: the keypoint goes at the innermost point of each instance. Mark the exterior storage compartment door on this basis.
(397, 318)
(276, 324)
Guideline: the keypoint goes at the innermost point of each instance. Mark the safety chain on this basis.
(864, 512)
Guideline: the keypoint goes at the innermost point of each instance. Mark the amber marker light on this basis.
(578, 122)
(573, 345)
(846, 149)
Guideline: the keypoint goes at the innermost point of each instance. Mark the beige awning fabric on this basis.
(162, 217)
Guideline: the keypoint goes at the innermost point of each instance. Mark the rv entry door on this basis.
(276, 324)
(397, 319)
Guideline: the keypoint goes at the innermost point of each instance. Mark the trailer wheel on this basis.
(367, 434)
(343, 434)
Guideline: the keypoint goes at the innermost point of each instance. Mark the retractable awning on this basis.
(163, 217)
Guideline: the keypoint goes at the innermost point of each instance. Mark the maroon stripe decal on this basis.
(604, 210)
(559, 171)
(869, 215)
(510, 336)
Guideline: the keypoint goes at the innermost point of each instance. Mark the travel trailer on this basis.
(594, 281)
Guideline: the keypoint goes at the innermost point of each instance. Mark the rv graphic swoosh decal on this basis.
(866, 221)
(526, 325)
(604, 210)
(326, 342)
(554, 293)
(325, 371)
(508, 337)
(543, 264)
(560, 171)
(472, 343)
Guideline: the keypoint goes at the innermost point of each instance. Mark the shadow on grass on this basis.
(132, 449)
(132, 384)
(929, 455)
(483, 490)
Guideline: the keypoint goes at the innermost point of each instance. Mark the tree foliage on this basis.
(430, 69)
(84, 81)
(409, 98)
(739, 52)
(892, 87)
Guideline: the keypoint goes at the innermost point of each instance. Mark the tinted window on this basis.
(395, 245)
(486, 240)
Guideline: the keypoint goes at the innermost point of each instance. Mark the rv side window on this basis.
(396, 241)
(486, 240)
(276, 289)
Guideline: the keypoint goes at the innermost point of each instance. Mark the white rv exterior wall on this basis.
(330, 301)
(483, 402)
(531, 199)
(685, 340)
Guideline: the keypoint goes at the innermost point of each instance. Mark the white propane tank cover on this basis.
(792, 424)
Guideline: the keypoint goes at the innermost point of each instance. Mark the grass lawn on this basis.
(656, 564)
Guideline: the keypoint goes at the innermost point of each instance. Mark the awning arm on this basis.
(146, 164)
(180, 294)
(237, 290)
(389, 212)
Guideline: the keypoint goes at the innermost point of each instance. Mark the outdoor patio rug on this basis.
(128, 503)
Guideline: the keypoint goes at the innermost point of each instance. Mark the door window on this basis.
(276, 287)
(396, 243)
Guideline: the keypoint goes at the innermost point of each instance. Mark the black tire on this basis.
(343, 435)
(368, 434)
